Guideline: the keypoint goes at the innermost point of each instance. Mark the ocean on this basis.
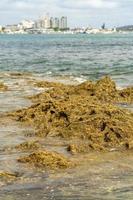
(78, 56)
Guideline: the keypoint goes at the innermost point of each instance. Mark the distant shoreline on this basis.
(66, 33)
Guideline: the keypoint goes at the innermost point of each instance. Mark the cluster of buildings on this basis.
(90, 30)
(44, 24)
(47, 24)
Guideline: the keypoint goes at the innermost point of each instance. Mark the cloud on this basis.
(79, 12)
(68, 4)
(85, 4)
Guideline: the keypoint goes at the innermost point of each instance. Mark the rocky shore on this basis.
(86, 117)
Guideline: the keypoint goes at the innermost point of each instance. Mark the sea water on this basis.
(81, 56)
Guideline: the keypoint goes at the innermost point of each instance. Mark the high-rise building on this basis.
(43, 23)
(63, 23)
(46, 22)
(51, 22)
(56, 23)
(38, 24)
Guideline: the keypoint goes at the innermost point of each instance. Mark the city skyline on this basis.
(44, 24)
(83, 13)
(48, 22)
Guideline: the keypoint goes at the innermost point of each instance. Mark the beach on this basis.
(66, 122)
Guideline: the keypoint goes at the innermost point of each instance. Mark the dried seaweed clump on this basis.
(105, 90)
(3, 87)
(46, 160)
(30, 145)
(86, 112)
(8, 175)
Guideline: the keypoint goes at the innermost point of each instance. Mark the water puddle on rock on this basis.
(98, 176)
(19, 87)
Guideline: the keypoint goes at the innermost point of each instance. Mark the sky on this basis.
(80, 13)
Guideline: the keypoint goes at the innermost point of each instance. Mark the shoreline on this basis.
(95, 32)
(49, 139)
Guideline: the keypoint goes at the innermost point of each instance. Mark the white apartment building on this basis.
(56, 23)
(63, 23)
(44, 22)
(26, 24)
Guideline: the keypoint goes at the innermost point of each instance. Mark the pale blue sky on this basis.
(79, 12)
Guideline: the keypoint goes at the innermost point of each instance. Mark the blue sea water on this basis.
(79, 55)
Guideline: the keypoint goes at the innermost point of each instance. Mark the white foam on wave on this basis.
(80, 79)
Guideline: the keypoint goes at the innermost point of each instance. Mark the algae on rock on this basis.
(86, 112)
(30, 145)
(46, 160)
(3, 87)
